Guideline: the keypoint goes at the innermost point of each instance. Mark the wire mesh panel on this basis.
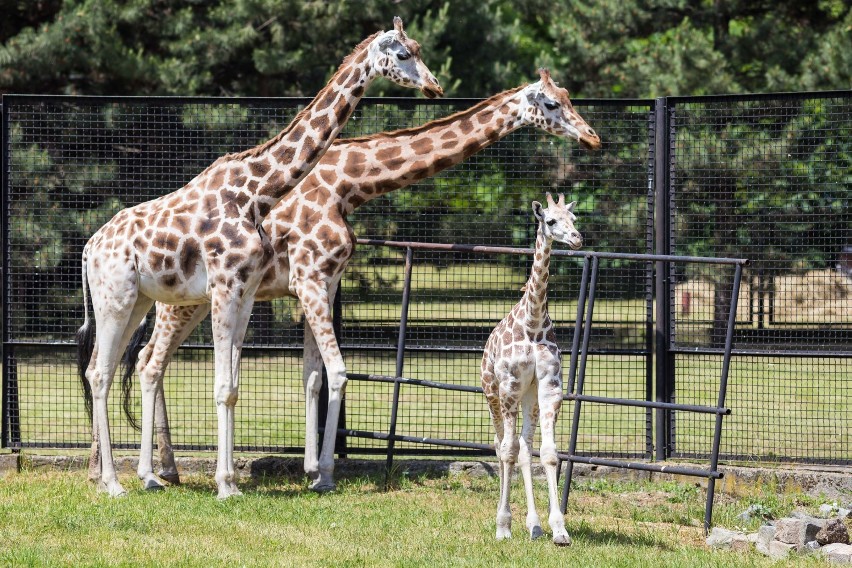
(72, 163)
(767, 178)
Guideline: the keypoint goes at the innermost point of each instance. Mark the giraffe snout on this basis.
(589, 138)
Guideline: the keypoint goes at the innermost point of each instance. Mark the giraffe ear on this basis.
(571, 206)
(537, 210)
(397, 25)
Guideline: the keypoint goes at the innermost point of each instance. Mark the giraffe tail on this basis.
(85, 344)
(131, 355)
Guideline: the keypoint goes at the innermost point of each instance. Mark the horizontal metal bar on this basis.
(474, 349)
(286, 101)
(797, 353)
(563, 253)
(797, 95)
(648, 404)
(416, 439)
(677, 470)
(416, 382)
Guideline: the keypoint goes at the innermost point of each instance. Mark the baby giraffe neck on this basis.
(535, 297)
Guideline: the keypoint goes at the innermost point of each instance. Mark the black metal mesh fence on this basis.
(766, 178)
(71, 163)
(761, 177)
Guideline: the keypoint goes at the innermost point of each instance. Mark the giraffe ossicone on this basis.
(313, 243)
(205, 243)
(521, 372)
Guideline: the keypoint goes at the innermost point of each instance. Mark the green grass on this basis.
(58, 519)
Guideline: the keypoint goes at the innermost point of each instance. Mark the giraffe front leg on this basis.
(529, 408)
(550, 400)
(172, 326)
(312, 383)
(168, 467)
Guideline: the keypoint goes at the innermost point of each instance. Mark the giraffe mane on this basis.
(437, 122)
(358, 48)
(263, 147)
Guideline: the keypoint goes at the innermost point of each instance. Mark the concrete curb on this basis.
(739, 480)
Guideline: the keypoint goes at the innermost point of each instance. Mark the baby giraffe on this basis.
(521, 367)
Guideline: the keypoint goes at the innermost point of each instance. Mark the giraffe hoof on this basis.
(319, 486)
(536, 532)
(228, 490)
(152, 485)
(562, 539)
(113, 489)
(172, 478)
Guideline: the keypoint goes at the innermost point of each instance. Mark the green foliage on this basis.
(625, 48)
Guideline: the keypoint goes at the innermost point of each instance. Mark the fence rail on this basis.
(763, 177)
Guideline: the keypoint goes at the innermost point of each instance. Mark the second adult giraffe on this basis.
(205, 243)
(313, 243)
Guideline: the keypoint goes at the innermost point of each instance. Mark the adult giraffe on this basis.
(313, 242)
(205, 243)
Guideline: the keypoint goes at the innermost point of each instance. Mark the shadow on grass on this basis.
(369, 473)
(586, 533)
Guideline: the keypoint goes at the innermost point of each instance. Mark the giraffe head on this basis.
(397, 57)
(549, 108)
(557, 221)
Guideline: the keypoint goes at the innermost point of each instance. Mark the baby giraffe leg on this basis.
(529, 408)
(549, 400)
(509, 448)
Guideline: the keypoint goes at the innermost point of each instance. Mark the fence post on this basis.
(10, 433)
(662, 211)
(649, 283)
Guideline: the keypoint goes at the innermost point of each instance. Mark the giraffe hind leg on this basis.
(529, 408)
(116, 323)
(550, 401)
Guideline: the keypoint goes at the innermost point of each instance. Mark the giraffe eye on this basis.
(403, 56)
(551, 106)
(551, 222)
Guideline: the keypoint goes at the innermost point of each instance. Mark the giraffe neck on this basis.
(404, 157)
(284, 161)
(535, 296)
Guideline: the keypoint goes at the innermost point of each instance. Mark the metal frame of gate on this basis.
(577, 375)
(576, 370)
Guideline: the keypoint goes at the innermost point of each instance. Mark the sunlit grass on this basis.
(59, 519)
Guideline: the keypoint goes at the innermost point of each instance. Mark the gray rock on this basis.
(780, 550)
(838, 552)
(742, 542)
(844, 513)
(798, 531)
(811, 547)
(833, 531)
(765, 535)
(828, 509)
(8, 464)
(722, 538)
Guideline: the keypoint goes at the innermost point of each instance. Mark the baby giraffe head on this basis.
(549, 108)
(556, 221)
(397, 57)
